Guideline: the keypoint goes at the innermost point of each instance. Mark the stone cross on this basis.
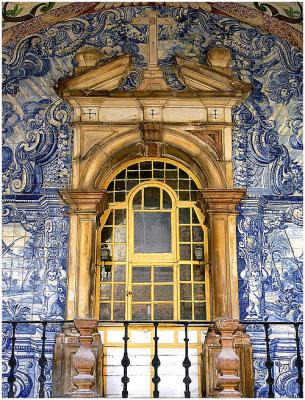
(153, 21)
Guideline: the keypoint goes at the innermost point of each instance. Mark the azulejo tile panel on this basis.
(37, 143)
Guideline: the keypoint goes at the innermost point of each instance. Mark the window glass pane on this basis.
(120, 217)
(119, 252)
(141, 312)
(185, 272)
(144, 175)
(182, 174)
(198, 273)
(132, 174)
(199, 291)
(184, 233)
(163, 293)
(106, 235)
(184, 195)
(163, 274)
(184, 215)
(163, 311)
(105, 291)
(137, 201)
(197, 234)
(146, 165)
(119, 196)
(152, 198)
(119, 273)
(200, 311)
(119, 292)
(167, 202)
(121, 175)
(184, 185)
(105, 311)
(141, 293)
(141, 274)
(172, 174)
(158, 165)
(152, 232)
(120, 234)
(110, 187)
(158, 174)
(133, 167)
(119, 311)
(119, 185)
(195, 218)
(132, 184)
(185, 252)
(185, 310)
(171, 166)
(172, 184)
(185, 291)
(193, 185)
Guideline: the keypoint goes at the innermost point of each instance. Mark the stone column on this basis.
(220, 207)
(85, 207)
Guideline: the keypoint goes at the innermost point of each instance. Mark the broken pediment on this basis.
(94, 77)
(205, 78)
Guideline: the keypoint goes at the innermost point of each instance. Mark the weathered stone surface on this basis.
(229, 354)
(67, 345)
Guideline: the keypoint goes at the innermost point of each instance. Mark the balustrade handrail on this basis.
(156, 360)
(52, 321)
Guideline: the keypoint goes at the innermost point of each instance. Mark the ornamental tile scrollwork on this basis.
(36, 161)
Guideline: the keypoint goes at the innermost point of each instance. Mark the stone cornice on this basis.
(92, 201)
(220, 200)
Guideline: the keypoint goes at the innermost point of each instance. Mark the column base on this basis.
(66, 345)
(210, 351)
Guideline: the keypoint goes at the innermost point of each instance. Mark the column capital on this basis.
(220, 200)
(93, 201)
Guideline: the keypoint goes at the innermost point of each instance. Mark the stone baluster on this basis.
(84, 359)
(227, 362)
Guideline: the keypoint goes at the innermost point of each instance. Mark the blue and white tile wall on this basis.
(37, 139)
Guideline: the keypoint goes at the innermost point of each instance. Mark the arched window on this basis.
(157, 242)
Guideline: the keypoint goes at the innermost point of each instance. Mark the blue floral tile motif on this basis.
(36, 162)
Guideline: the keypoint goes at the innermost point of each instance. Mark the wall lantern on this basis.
(199, 253)
(105, 256)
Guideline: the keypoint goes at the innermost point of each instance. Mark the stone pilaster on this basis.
(85, 207)
(220, 207)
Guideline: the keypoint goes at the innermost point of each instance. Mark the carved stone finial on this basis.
(84, 359)
(220, 58)
(227, 363)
